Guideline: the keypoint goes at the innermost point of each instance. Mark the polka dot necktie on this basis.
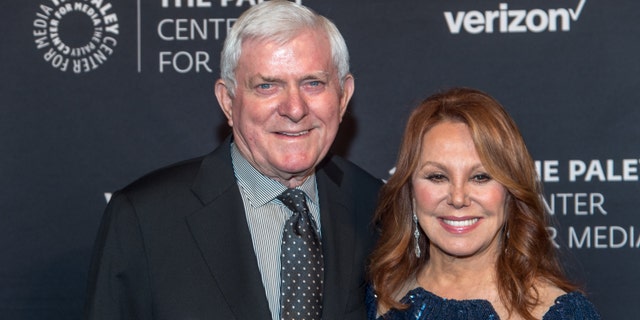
(302, 266)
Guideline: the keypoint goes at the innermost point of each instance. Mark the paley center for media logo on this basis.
(76, 35)
(509, 20)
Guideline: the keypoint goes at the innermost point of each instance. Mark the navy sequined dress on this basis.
(425, 305)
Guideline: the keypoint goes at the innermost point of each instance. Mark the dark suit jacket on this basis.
(175, 245)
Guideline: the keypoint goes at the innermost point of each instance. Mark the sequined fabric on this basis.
(425, 305)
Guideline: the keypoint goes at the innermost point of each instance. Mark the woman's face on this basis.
(459, 206)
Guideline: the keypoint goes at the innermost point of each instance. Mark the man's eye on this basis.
(314, 85)
(266, 88)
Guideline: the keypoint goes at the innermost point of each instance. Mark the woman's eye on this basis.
(436, 177)
(482, 177)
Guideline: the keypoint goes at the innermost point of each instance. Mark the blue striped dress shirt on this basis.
(266, 216)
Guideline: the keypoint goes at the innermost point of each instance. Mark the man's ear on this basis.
(347, 92)
(224, 100)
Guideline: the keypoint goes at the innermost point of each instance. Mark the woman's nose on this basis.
(458, 195)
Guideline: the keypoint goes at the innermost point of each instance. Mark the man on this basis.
(204, 239)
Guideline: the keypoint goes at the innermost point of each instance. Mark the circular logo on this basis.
(77, 36)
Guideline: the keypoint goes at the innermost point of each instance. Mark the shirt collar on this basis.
(261, 189)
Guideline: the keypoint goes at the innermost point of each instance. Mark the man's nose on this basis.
(294, 105)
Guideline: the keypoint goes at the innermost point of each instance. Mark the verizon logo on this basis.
(505, 20)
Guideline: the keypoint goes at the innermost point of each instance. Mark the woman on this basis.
(463, 229)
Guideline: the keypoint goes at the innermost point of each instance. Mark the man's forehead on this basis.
(321, 74)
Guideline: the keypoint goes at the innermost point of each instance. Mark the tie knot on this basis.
(294, 199)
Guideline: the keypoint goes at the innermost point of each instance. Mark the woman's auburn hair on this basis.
(527, 255)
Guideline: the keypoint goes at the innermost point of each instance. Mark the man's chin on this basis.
(297, 170)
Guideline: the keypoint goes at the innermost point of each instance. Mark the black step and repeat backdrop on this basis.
(94, 93)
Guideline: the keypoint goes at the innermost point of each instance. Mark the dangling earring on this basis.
(506, 238)
(416, 234)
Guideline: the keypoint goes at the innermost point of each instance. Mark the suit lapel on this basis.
(338, 239)
(221, 232)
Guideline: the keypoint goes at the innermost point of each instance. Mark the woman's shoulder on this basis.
(572, 305)
(423, 304)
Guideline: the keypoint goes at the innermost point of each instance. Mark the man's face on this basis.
(287, 105)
